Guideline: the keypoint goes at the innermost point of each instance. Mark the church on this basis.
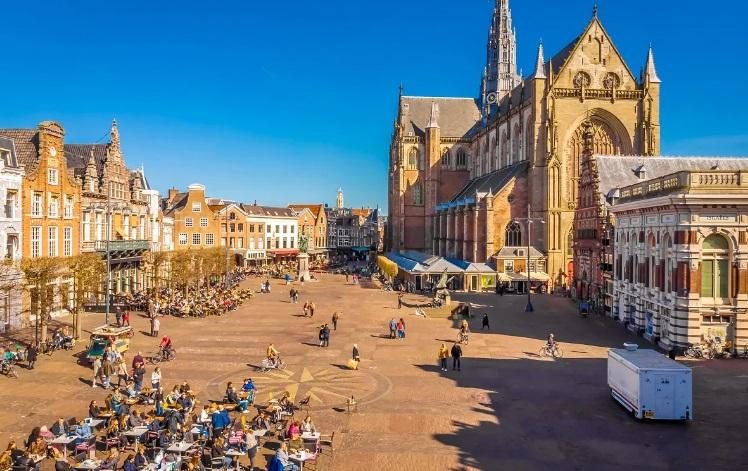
(465, 172)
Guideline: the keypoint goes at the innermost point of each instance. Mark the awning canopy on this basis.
(535, 276)
(283, 252)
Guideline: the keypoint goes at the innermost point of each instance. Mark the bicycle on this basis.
(159, 356)
(697, 352)
(267, 365)
(8, 369)
(463, 337)
(551, 351)
(744, 353)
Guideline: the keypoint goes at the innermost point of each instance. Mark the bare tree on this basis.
(88, 270)
(39, 273)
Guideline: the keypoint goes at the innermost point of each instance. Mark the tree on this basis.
(157, 263)
(88, 270)
(10, 284)
(39, 273)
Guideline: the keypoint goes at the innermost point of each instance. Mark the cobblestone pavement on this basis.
(506, 409)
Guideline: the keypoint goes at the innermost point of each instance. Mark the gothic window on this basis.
(570, 243)
(611, 80)
(714, 267)
(461, 158)
(529, 144)
(504, 148)
(445, 158)
(582, 79)
(513, 235)
(516, 141)
(604, 142)
(417, 193)
(413, 159)
(494, 155)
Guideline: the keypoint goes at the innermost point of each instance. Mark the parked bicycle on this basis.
(697, 352)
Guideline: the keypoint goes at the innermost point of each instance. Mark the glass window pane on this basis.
(707, 278)
(721, 279)
(715, 242)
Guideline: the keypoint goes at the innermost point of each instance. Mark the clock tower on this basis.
(500, 73)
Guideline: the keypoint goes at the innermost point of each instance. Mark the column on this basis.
(466, 232)
(474, 212)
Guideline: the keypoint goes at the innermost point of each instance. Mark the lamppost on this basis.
(108, 207)
(529, 220)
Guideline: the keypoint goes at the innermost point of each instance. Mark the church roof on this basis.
(457, 116)
(619, 171)
(492, 182)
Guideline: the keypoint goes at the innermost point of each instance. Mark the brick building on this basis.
(681, 255)
(194, 223)
(440, 146)
(314, 225)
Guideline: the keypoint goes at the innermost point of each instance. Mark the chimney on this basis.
(172, 193)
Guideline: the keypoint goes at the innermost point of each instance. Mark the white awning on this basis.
(535, 276)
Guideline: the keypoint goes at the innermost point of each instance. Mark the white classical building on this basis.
(681, 256)
(11, 176)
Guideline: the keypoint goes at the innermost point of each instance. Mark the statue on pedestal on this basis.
(303, 257)
(441, 288)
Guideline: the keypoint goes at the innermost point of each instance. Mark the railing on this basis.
(604, 93)
(117, 245)
(686, 180)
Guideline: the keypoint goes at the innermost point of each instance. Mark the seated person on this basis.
(94, 410)
(185, 388)
(308, 426)
(295, 444)
(282, 456)
(231, 396)
(130, 389)
(293, 429)
(111, 460)
(60, 427)
(204, 416)
(261, 421)
(134, 420)
(129, 464)
(285, 402)
(185, 402)
(248, 385)
(165, 440)
(7, 458)
(38, 447)
(84, 429)
(140, 459)
(24, 462)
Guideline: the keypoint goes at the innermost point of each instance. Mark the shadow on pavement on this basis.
(539, 414)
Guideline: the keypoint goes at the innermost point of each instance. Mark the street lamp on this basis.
(108, 207)
(529, 220)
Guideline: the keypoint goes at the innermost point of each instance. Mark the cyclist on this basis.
(464, 331)
(166, 347)
(551, 342)
(272, 355)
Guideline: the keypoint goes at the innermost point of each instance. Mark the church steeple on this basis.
(650, 74)
(540, 63)
(501, 58)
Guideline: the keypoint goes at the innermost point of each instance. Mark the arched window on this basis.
(714, 267)
(417, 192)
(504, 141)
(513, 236)
(494, 151)
(413, 159)
(461, 159)
(445, 158)
(651, 261)
(667, 254)
(570, 243)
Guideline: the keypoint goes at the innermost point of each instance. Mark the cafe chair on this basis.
(329, 441)
(305, 403)
(85, 446)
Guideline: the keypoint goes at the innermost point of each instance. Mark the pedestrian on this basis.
(122, 372)
(321, 336)
(356, 356)
(326, 330)
(400, 300)
(335, 318)
(156, 325)
(296, 297)
(252, 445)
(485, 322)
(96, 370)
(393, 328)
(401, 328)
(443, 355)
(156, 378)
(346, 277)
(456, 354)
(311, 309)
(118, 316)
(31, 355)
(291, 294)
(126, 317)
(306, 308)
(137, 373)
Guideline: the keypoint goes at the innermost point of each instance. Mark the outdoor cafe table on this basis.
(310, 436)
(136, 433)
(236, 454)
(93, 423)
(88, 465)
(64, 440)
(180, 447)
(300, 457)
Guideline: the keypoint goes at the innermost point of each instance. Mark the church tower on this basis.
(500, 73)
(339, 199)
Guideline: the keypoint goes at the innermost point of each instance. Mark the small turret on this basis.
(650, 73)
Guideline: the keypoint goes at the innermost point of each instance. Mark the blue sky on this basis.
(285, 101)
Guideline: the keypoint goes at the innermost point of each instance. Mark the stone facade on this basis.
(681, 257)
(11, 185)
(313, 223)
(540, 121)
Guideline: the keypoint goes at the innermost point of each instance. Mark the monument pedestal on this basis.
(303, 259)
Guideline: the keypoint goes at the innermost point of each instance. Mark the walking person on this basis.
(122, 374)
(31, 355)
(126, 317)
(484, 322)
(326, 330)
(393, 328)
(401, 328)
(156, 378)
(456, 355)
(96, 370)
(443, 355)
(311, 309)
(155, 326)
(400, 300)
(321, 336)
(118, 316)
(252, 445)
(335, 318)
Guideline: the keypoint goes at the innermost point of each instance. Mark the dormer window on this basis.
(641, 172)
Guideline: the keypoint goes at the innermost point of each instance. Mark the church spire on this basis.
(650, 73)
(434, 117)
(540, 63)
(501, 58)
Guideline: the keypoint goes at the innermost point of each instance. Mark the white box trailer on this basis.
(650, 385)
